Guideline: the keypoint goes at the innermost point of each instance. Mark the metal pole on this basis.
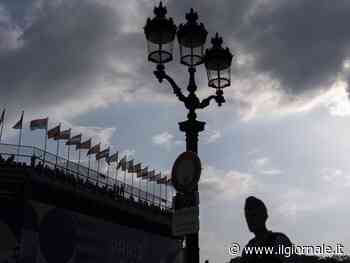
(160, 195)
(58, 149)
(68, 158)
(166, 194)
(19, 142)
(147, 187)
(2, 126)
(192, 127)
(139, 188)
(132, 182)
(89, 166)
(79, 160)
(45, 144)
(107, 174)
(98, 171)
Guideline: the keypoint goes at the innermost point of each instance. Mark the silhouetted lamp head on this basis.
(191, 37)
(255, 213)
(218, 64)
(160, 34)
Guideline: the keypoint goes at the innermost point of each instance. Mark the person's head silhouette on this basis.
(256, 215)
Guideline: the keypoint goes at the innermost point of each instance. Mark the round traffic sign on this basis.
(186, 171)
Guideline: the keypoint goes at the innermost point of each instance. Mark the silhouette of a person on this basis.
(259, 248)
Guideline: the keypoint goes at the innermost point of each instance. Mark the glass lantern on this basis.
(160, 34)
(218, 64)
(191, 37)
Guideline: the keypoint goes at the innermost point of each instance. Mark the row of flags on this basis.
(55, 133)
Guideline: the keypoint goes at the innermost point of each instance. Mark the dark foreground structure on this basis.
(47, 216)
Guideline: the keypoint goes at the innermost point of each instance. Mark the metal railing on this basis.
(25, 154)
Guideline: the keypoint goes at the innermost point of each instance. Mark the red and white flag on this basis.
(39, 124)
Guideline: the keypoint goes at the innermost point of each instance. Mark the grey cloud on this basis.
(302, 44)
(61, 54)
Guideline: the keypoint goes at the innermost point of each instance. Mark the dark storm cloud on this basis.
(303, 44)
(69, 46)
(63, 50)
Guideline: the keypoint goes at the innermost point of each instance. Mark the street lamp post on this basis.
(160, 34)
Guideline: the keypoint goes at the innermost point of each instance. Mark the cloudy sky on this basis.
(282, 135)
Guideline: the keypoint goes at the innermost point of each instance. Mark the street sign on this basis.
(186, 200)
(186, 172)
(185, 221)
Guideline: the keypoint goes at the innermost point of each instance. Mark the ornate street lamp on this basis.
(191, 37)
(160, 34)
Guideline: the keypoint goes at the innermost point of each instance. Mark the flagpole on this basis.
(68, 157)
(19, 141)
(126, 162)
(58, 148)
(89, 166)
(147, 187)
(79, 160)
(132, 181)
(139, 185)
(160, 194)
(107, 174)
(116, 175)
(45, 143)
(154, 193)
(58, 144)
(2, 126)
(166, 193)
(98, 171)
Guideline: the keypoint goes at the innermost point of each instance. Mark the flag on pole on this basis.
(18, 125)
(150, 175)
(39, 124)
(130, 166)
(2, 116)
(162, 180)
(63, 135)
(102, 154)
(54, 132)
(156, 177)
(136, 168)
(84, 145)
(168, 181)
(142, 172)
(94, 149)
(74, 140)
(122, 163)
(113, 158)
